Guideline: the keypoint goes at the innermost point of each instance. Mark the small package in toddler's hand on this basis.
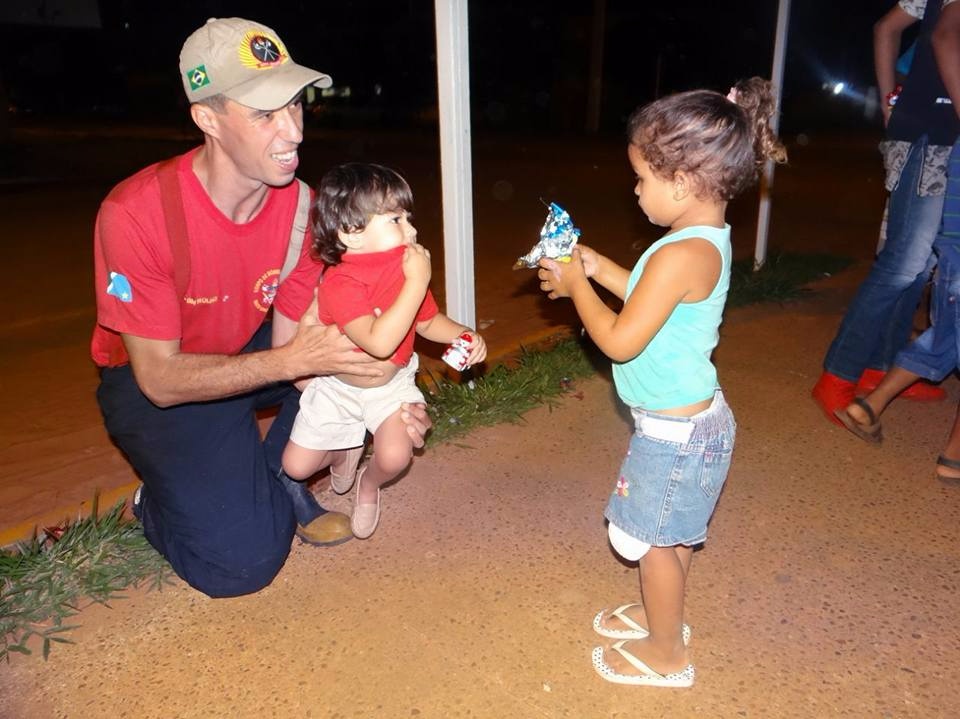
(457, 354)
(557, 238)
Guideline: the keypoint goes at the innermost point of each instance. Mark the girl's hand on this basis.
(416, 264)
(477, 347)
(590, 260)
(558, 279)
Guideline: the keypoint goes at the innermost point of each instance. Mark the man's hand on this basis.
(319, 349)
(417, 420)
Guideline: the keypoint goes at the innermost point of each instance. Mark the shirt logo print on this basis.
(120, 288)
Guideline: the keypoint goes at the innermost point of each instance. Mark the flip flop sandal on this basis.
(634, 632)
(951, 464)
(647, 676)
(867, 432)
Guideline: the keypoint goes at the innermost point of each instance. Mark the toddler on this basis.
(375, 288)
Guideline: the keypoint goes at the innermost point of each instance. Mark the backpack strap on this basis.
(176, 223)
(298, 231)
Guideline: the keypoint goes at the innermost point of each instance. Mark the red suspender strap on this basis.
(172, 204)
(176, 224)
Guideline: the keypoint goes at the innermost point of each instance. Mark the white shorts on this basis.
(336, 415)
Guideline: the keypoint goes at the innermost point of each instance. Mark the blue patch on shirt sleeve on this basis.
(120, 288)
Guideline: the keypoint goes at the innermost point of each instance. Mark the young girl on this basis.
(691, 153)
(375, 289)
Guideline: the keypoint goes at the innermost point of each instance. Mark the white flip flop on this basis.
(647, 676)
(635, 631)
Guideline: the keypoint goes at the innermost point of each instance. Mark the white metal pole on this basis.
(456, 171)
(766, 182)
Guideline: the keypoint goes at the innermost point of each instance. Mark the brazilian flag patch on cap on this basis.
(198, 77)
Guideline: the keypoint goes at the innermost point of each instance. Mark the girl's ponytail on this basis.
(755, 97)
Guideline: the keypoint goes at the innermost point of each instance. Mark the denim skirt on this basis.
(672, 476)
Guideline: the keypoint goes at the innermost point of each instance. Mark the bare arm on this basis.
(169, 377)
(946, 48)
(686, 270)
(886, 47)
(604, 271)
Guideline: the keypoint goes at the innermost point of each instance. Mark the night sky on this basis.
(529, 58)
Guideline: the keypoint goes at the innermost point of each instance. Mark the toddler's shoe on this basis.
(341, 483)
(365, 516)
(833, 393)
(920, 391)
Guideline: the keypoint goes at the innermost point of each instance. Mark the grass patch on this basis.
(43, 582)
(783, 277)
(505, 393)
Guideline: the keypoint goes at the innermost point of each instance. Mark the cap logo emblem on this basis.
(261, 52)
(198, 77)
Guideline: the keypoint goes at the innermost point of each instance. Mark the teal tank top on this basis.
(675, 369)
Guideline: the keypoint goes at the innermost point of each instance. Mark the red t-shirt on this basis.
(234, 268)
(362, 282)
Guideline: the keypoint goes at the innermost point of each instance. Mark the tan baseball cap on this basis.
(244, 61)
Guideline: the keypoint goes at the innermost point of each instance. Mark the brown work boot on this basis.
(327, 530)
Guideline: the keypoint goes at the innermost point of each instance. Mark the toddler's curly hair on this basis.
(347, 197)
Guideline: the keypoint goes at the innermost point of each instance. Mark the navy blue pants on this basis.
(211, 502)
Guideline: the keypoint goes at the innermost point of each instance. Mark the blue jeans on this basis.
(934, 354)
(211, 503)
(879, 320)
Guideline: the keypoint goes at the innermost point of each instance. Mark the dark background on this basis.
(529, 59)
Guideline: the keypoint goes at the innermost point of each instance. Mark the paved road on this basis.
(827, 587)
